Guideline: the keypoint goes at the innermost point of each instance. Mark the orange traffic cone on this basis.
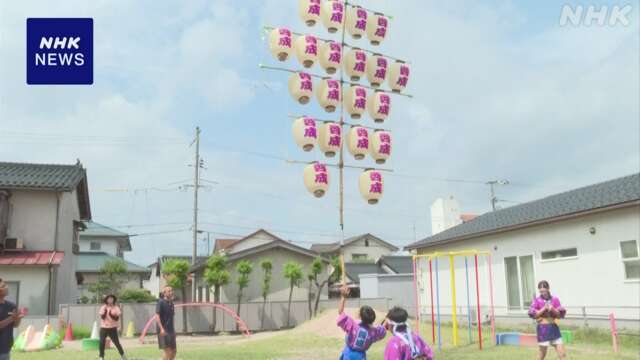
(68, 336)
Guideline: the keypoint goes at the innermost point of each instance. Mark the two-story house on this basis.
(99, 244)
(42, 207)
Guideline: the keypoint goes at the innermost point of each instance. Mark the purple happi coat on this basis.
(354, 342)
(547, 329)
(398, 349)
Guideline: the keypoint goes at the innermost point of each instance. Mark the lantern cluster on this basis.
(333, 14)
(357, 64)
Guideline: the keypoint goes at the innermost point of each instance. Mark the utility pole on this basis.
(494, 199)
(196, 186)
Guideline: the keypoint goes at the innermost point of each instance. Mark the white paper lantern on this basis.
(356, 22)
(377, 28)
(358, 142)
(371, 186)
(380, 146)
(309, 11)
(280, 43)
(301, 87)
(316, 179)
(305, 132)
(355, 64)
(355, 101)
(328, 94)
(398, 76)
(376, 70)
(330, 138)
(332, 15)
(379, 105)
(330, 56)
(306, 47)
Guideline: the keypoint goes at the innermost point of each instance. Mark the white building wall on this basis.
(153, 284)
(66, 283)
(33, 284)
(106, 245)
(445, 214)
(260, 238)
(375, 249)
(594, 279)
(32, 218)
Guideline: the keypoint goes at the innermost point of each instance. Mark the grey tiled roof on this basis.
(40, 176)
(608, 193)
(399, 264)
(354, 270)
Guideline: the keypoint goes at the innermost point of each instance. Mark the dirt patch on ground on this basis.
(325, 323)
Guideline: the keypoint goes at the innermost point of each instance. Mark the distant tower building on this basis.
(445, 213)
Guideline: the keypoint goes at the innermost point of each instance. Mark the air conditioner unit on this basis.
(13, 244)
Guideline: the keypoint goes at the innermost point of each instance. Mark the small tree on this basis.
(310, 295)
(244, 269)
(176, 272)
(267, 267)
(110, 279)
(317, 267)
(292, 272)
(216, 275)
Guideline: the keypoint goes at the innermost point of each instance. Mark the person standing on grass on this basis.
(165, 312)
(9, 318)
(360, 335)
(109, 321)
(547, 310)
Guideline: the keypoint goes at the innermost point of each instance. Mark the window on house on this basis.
(559, 254)
(94, 246)
(520, 281)
(359, 257)
(630, 259)
(366, 242)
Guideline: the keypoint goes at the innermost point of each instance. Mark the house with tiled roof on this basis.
(362, 248)
(98, 245)
(155, 281)
(255, 247)
(584, 242)
(42, 209)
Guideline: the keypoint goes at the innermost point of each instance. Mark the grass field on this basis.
(304, 345)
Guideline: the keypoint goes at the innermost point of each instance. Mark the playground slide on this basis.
(31, 340)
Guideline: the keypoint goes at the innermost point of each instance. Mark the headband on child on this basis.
(406, 337)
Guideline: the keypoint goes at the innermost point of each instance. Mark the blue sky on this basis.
(501, 91)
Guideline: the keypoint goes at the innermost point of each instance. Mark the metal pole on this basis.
(454, 317)
(466, 270)
(433, 318)
(438, 306)
(417, 297)
(493, 195)
(196, 186)
(475, 258)
(341, 155)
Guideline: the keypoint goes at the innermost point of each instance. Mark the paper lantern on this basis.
(301, 87)
(316, 179)
(377, 28)
(398, 76)
(280, 43)
(305, 132)
(380, 146)
(309, 11)
(330, 138)
(330, 56)
(328, 94)
(358, 142)
(355, 64)
(306, 47)
(355, 101)
(332, 15)
(379, 105)
(371, 185)
(376, 70)
(356, 22)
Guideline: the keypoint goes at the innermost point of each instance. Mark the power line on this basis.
(160, 232)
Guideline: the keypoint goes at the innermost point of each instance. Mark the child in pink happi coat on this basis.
(360, 335)
(404, 345)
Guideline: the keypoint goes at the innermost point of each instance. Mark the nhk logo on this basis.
(59, 51)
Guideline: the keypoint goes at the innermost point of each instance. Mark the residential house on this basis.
(371, 272)
(585, 242)
(256, 247)
(42, 207)
(362, 248)
(393, 280)
(155, 282)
